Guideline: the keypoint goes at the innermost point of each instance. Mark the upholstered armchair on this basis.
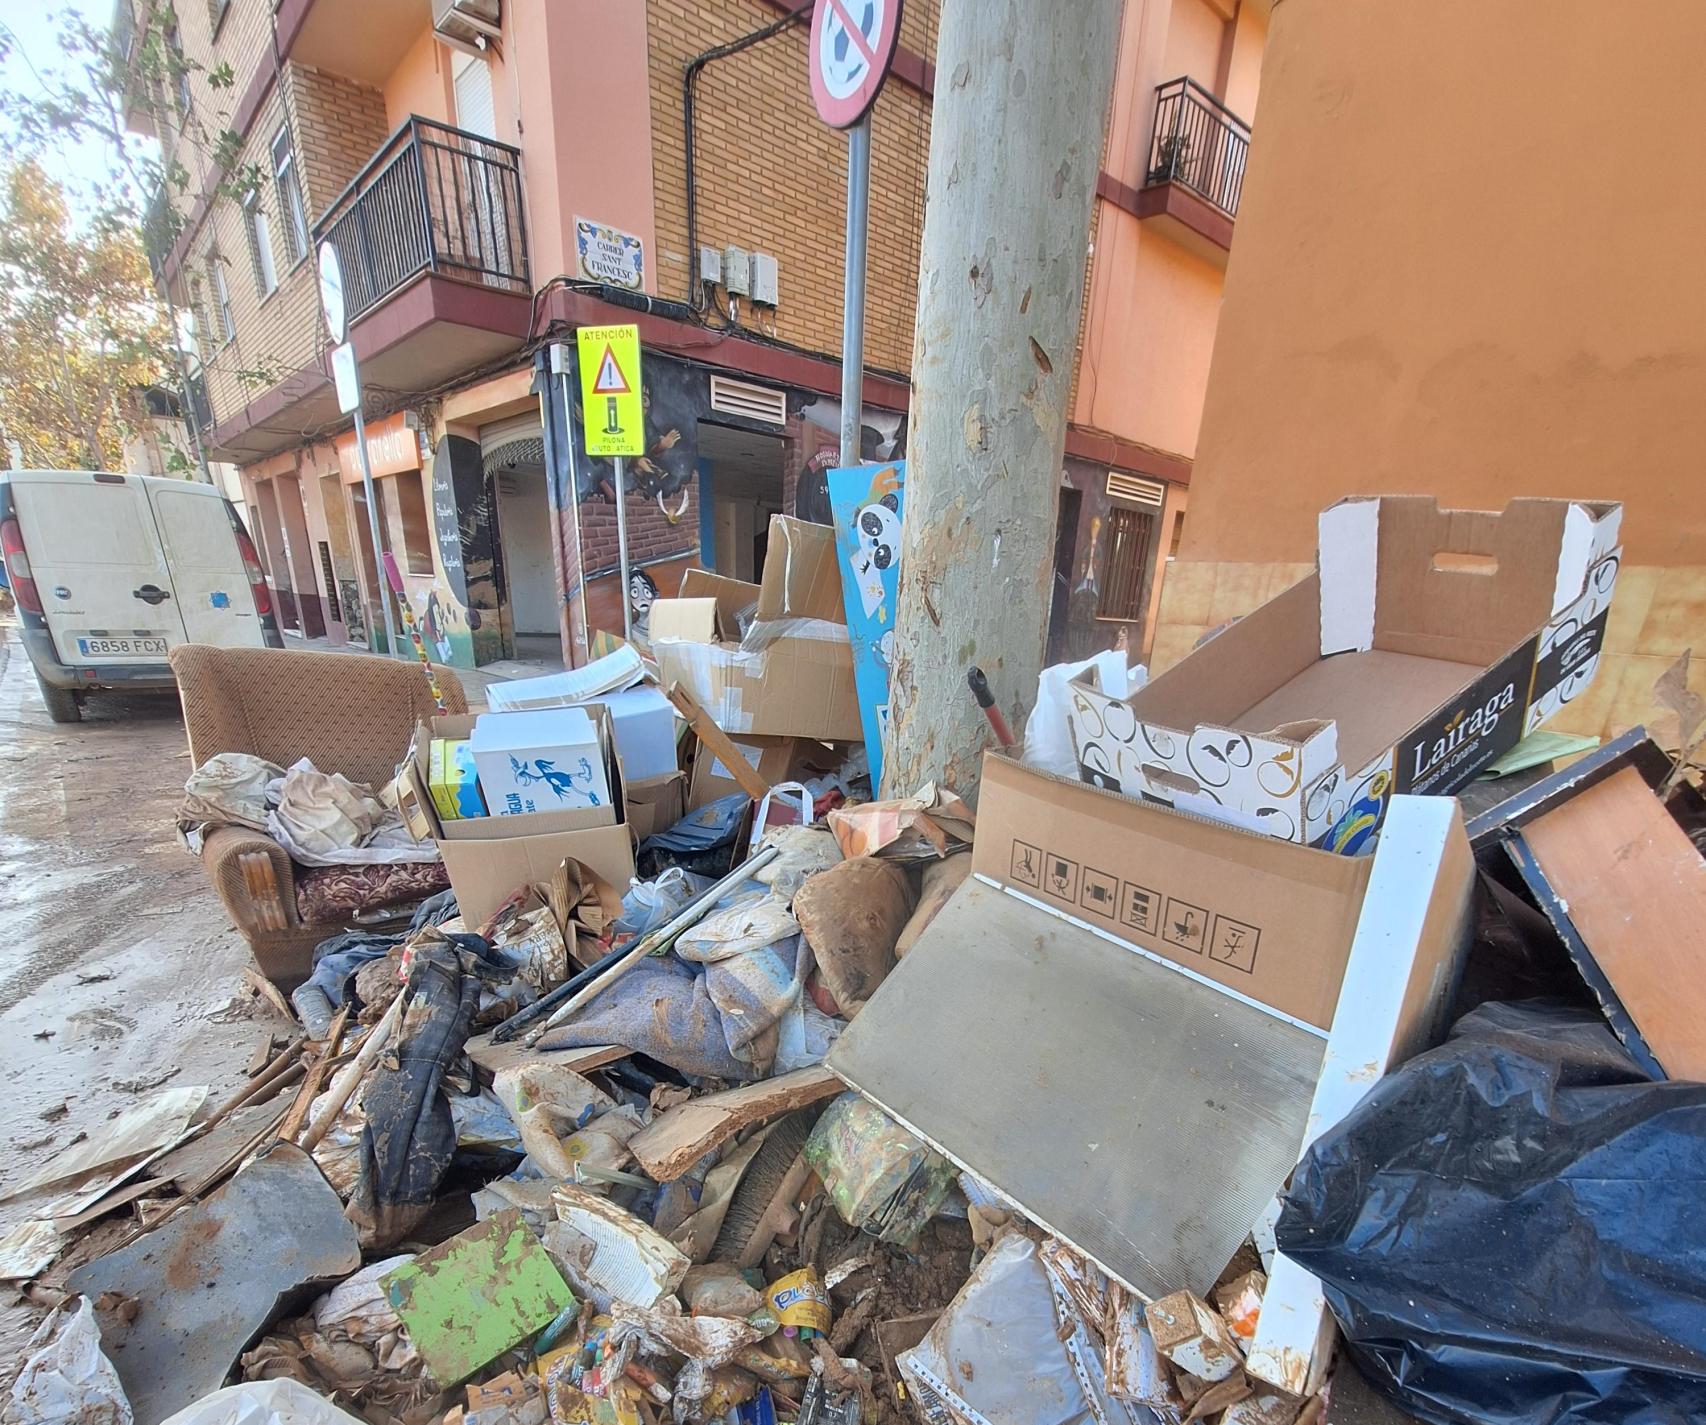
(345, 712)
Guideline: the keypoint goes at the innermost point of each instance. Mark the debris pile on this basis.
(1091, 1108)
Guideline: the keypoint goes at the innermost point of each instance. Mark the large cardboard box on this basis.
(775, 759)
(1427, 643)
(1260, 916)
(791, 674)
(488, 857)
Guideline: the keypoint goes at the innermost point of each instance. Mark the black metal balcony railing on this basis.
(433, 198)
(1200, 143)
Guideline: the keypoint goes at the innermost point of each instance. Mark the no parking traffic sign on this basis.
(852, 46)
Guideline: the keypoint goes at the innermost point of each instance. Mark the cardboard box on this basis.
(776, 759)
(454, 783)
(1268, 919)
(655, 804)
(1427, 643)
(543, 759)
(791, 674)
(489, 857)
(646, 732)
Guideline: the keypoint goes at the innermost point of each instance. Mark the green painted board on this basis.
(468, 1300)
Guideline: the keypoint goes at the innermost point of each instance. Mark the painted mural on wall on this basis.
(461, 613)
(882, 436)
(866, 501)
(674, 396)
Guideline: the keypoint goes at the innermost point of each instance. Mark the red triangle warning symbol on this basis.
(610, 381)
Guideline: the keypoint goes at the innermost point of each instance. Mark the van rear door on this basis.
(213, 595)
(106, 591)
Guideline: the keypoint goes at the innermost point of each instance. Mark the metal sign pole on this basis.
(579, 629)
(853, 291)
(373, 525)
(622, 545)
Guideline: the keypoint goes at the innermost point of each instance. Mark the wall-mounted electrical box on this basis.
(711, 266)
(737, 274)
(766, 279)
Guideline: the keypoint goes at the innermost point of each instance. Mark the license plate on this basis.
(122, 647)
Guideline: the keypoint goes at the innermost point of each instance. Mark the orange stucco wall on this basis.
(1458, 272)
(577, 80)
(1453, 274)
(420, 84)
(1152, 305)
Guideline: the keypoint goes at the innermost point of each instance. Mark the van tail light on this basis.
(18, 567)
(257, 575)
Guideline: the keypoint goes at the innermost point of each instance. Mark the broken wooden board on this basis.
(679, 1137)
(1626, 889)
(467, 1301)
(514, 1055)
(1143, 1116)
(1398, 985)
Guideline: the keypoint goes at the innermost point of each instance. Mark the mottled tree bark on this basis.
(1021, 102)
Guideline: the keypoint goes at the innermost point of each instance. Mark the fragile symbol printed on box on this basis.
(1027, 865)
(1234, 943)
(1100, 891)
(1185, 925)
(1062, 877)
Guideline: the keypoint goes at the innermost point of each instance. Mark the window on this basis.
(417, 528)
(1125, 566)
(260, 245)
(289, 197)
(177, 65)
(226, 327)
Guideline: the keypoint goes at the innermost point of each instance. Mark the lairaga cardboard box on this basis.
(1427, 643)
(791, 674)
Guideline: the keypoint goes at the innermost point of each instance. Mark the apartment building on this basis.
(497, 173)
(1498, 306)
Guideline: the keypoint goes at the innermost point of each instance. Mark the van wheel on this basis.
(63, 705)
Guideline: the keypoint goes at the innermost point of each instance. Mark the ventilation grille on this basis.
(1135, 488)
(753, 403)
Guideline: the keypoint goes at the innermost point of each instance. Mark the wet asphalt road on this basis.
(116, 959)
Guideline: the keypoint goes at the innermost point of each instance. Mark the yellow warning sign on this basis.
(612, 414)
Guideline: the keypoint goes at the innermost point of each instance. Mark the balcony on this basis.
(1195, 175)
(433, 199)
(432, 238)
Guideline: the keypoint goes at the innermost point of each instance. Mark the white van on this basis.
(109, 572)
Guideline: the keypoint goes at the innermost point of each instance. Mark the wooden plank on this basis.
(679, 1137)
(1396, 991)
(493, 1057)
(1634, 886)
(717, 743)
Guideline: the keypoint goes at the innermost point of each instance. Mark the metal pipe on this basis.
(577, 628)
(853, 291)
(622, 543)
(689, 916)
(373, 523)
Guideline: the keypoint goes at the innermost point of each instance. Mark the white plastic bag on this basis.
(263, 1402)
(67, 1380)
(1048, 739)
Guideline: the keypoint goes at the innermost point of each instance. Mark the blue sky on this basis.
(36, 51)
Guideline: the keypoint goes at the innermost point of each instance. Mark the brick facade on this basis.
(651, 536)
(771, 177)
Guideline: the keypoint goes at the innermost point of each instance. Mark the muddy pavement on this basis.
(116, 959)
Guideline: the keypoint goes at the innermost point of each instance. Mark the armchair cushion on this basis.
(330, 895)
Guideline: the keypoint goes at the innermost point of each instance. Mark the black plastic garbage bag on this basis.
(1512, 1228)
